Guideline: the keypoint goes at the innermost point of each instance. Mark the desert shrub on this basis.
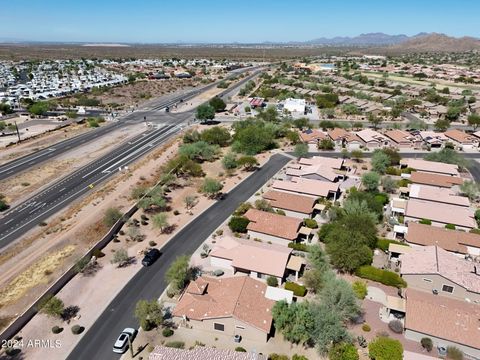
(298, 247)
(98, 253)
(242, 208)
(298, 290)
(240, 349)
(77, 329)
(112, 215)
(360, 289)
(382, 276)
(454, 353)
(238, 224)
(51, 306)
(274, 356)
(343, 351)
(427, 343)
(450, 227)
(167, 332)
(299, 357)
(57, 329)
(280, 212)
(383, 348)
(310, 223)
(152, 243)
(70, 312)
(366, 327)
(391, 170)
(175, 344)
(176, 212)
(272, 281)
(425, 222)
(396, 326)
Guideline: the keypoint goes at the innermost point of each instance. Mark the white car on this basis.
(121, 344)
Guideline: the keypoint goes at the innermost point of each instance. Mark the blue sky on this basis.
(157, 21)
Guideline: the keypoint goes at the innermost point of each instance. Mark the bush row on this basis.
(382, 276)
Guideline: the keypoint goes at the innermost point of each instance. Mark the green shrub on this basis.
(454, 353)
(298, 246)
(383, 244)
(360, 289)
(383, 348)
(343, 351)
(274, 356)
(175, 344)
(382, 276)
(298, 290)
(393, 171)
(425, 222)
(152, 243)
(450, 227)
(382, 198)
(404, 182)
(238, 224)
(242, 208)
(280, 212)
(240, 349)
(77, 329)
(167, 332)
(272, 281)
(427, 343)
(57, 329)
(310, 223)
(366, 327)
(299, 357)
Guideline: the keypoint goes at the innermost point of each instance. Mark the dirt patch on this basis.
(39, 273)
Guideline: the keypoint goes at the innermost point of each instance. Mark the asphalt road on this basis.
(149, 282)
(27, 215)
(151, 109)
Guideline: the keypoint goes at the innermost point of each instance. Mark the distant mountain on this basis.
(362, 39)
(437, 43)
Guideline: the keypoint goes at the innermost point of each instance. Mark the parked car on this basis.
(121, 344)
(150, 257)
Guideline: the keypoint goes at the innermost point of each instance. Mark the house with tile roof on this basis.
(314, 172)
(272, 227)
(258, 260)
(430, 166)
(298, 206)
(438, 180)
(461, 139)
(309, 187)
(447, 321)
(373, 139)
(459, 242)
(312, 136)
(229, 306)
(433, 269)
(402, 139)
(437, 194)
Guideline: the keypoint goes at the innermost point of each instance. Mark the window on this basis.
(219, 327)
(427, 280)
(447, 288)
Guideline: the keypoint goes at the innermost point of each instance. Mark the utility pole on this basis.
(18, 132)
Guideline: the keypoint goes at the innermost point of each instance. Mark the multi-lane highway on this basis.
(149, 282)
(149, 110)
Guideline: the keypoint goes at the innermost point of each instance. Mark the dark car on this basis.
(150, 257)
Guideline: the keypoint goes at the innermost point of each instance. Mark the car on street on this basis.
(150, 257)
(121, 344)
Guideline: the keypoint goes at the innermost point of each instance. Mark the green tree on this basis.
(211, 187)
(302, 123)
(160, 221)
(328, 328)
(453, 113)
(218, 104)
(112, 215)
(179, 273)
(371, 180)
(448, 156)
(149, 314)
(205, 112)
(474, 120)
(51, 306)
(247, 162)
(389, 185)
(441, 125)
(343, 351)
(301, 150)
(238, 224)
(326, 144)
(216, 135)
(356, 155)
(3, 203)
(374, 120)
(39, 108)
(293, 320)
(229, 161)
(191, 136)
(346, 253)
(384, 348)
(253, 137)
(380, 161)
(199, 151)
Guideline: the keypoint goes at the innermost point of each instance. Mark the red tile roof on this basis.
(264, 222)
(292, 202)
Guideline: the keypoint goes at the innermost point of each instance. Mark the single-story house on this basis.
(256, 259)
(402, 139)
(276, 228)
(440, 214)
(315, 172)
(337, 135)
(448, 322)
(460, 242)
(353, 142)
(230, 306)
(463, 140)
(294, 205)
(201, 353)
(426, 178)
(373, 139)
(433, 269)
(312, 136)
(433, 139)
(334, 163)
(314, 188)
(437, 194)
(430, 166)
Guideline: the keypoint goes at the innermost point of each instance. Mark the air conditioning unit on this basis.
(435, 291)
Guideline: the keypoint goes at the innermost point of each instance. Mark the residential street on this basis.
(149, 283)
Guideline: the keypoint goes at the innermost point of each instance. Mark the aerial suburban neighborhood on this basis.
(178, 184)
